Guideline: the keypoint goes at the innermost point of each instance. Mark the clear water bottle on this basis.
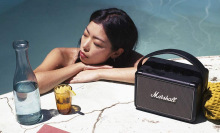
(25, 87)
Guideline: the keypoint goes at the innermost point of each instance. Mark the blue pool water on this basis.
(189, 25)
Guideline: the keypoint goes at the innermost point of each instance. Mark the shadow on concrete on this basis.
(76, 110)
(48, 114)
(200, 118)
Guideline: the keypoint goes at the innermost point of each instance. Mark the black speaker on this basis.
(170, 88)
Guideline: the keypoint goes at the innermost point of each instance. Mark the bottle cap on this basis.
(20, 44)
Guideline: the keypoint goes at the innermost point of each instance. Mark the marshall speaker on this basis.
(170, 88)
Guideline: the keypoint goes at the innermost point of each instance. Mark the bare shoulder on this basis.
(68, 51)
(69, 55)
(57, 58)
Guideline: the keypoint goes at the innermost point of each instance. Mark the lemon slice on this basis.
(63, 87)
(72, 92)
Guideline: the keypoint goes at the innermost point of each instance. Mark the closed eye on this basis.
(97, 45)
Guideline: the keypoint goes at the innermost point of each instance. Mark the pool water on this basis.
(189, 25)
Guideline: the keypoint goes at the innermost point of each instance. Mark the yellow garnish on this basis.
(63, 87)
(72, 92)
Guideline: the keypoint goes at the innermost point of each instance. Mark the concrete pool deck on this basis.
(106, 107)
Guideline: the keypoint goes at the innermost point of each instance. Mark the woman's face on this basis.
(95, 46)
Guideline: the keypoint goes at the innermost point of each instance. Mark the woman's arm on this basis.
(118, 74)
(122, 74)
(56, 68)
(115, 74)
(47, 80)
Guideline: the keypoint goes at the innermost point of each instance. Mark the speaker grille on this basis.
(164, 97)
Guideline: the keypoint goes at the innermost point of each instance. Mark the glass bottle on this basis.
(25, 87)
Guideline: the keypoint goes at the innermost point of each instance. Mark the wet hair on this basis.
(118, 26)
(121, 32)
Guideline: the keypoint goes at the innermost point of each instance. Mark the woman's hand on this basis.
(88, 74)
(85, 76)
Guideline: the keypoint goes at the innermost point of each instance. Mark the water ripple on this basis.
(202, 29)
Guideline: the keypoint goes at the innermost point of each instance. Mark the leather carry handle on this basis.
(184, 55)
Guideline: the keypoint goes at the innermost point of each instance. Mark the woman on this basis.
(105, 53)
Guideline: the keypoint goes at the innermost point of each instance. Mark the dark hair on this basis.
(118, 26)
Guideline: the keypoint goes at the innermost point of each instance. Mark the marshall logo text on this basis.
(162, 97)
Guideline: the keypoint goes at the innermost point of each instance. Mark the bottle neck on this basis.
(22, 60)
(23, 70)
